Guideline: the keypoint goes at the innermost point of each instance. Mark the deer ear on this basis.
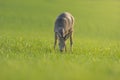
(66, 37)
(59, 35)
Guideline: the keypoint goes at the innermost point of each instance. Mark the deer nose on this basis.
(61, 50)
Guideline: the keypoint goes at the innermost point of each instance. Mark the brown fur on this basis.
(63, 30)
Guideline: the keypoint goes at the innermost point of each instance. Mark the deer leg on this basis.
(65, 48)
(55, 40)
(71, 42)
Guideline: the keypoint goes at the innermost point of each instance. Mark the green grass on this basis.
(27, 37)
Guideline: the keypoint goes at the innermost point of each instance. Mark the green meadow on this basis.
(27, 39)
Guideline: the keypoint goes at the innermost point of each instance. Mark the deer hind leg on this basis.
(55, 42)
(71, 42)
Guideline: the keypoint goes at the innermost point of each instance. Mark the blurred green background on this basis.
(93, 18)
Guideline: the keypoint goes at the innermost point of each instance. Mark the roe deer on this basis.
(63, 30)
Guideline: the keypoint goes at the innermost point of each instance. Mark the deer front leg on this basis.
(71, 42)
(55, 40)
(65, 48)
